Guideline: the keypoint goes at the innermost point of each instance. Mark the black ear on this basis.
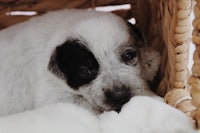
(137, 35)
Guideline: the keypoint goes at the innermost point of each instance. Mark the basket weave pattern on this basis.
(194, 80)
(176, 34)
(166, 25)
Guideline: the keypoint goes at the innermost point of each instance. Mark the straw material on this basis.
(176, 34)
(194, 80)
(166, 25)
(181, 100)
(42, 6)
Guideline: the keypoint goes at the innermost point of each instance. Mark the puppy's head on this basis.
(100, 61)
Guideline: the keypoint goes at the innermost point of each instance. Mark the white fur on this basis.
(26, 48)
(146, 115)
(140, 115)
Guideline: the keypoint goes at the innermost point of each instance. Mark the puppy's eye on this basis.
(86, 72)
(129, 55)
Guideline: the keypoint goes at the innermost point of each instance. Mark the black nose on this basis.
(117, 97)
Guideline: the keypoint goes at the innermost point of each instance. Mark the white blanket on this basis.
(140, 115)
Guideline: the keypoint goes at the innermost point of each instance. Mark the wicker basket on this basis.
(166, 26)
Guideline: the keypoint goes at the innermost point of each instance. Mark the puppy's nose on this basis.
(117, 97)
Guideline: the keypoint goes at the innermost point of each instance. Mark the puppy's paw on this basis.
(150, 62)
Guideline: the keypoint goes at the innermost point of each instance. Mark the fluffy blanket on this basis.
(140, 115)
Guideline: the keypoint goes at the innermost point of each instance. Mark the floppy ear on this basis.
(137, 35)
(150, 62)
(149, 58)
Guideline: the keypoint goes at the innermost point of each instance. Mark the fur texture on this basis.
(140, 115)
(36, 56)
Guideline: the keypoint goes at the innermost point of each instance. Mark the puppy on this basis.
(85, 57)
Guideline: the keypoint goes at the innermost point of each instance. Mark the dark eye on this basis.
(129, 55)
(86, 72)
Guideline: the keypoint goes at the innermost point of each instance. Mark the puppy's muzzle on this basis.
(117, 97)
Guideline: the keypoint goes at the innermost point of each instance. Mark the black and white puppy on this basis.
(89, 58)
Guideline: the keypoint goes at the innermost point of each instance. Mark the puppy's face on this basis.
(100, 62)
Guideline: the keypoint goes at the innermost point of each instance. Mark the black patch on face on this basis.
(137, 35)
(75, 62)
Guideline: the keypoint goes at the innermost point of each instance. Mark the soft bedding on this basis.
(141, 114)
